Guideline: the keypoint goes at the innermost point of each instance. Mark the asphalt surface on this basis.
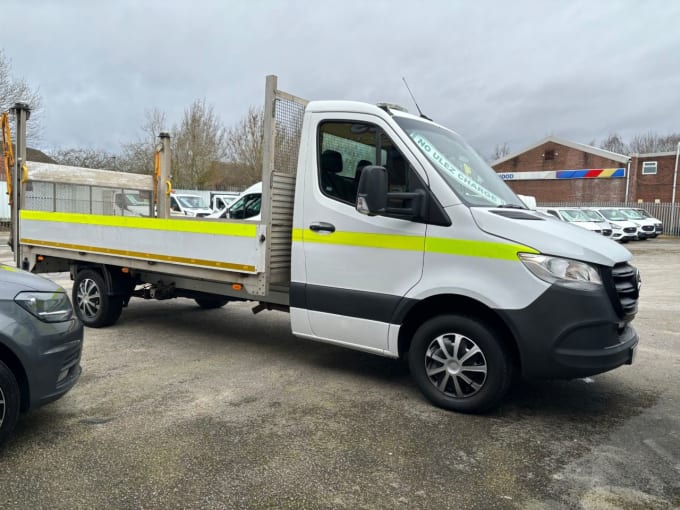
(184, 408)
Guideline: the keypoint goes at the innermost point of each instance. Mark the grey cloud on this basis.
(493, 71)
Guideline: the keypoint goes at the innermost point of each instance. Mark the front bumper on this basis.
(569, 333)
(54, 365)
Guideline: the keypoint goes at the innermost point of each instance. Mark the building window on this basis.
(548, 155)
(649, 168)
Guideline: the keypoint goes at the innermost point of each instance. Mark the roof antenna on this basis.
(414, 100)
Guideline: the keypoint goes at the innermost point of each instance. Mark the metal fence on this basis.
(668, 213)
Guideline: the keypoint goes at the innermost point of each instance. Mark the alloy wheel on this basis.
(455, 365)
(88, 298)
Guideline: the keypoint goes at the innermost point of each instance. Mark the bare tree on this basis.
(501, 150)
(652, 142)
(198, 141)
(244, 144)
(138, 157)
(13, 90)
(670, 142)
(614, 143)
(88, 158)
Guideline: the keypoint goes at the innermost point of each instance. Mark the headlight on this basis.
(615, 226)
(567, 272)
(46, 306)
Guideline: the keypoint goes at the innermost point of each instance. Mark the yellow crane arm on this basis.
(7, 152)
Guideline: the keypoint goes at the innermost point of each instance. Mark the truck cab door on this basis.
(357, 268)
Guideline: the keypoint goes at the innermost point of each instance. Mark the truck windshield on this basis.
(136, 200)
(644, 213)
(593, 215)
(574, 215)
(468, 175)
(191, 202)
(613, 215)
(632, 214)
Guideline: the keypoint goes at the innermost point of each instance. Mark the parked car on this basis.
(40, 344)
(623, 230)
(182, 204)
(600, 220)
(579, 218)
(650, 226)
(245, 207)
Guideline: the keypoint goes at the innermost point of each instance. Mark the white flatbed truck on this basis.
(381, 231)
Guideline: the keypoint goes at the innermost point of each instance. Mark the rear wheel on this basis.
(93, 305)
(460, 364)
(208, 303)
(9, 402)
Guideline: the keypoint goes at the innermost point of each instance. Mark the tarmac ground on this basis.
(180, 407)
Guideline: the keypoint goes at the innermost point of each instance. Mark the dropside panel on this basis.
(218, 245)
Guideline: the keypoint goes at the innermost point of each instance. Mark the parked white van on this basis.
(579, 218)
(623, 230)
(182, 204)
(647, 224)
(246, 207)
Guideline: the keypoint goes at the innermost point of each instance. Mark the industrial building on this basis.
(559, 170)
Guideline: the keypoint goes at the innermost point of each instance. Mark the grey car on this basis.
(40, 344)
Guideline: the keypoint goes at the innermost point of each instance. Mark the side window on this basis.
(554, 213)
(252, 208)
(174, 206)
(345, 148)
(237, 209)
(649, 167)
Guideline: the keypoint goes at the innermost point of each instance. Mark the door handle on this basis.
(322, 226)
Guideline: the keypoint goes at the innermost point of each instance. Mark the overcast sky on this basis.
(505, 71)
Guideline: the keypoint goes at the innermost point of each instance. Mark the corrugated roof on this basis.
(621, 158)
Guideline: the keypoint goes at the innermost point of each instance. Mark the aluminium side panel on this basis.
(220, 247)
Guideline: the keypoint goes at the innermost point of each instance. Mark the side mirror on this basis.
(372, 190)
(374, 199)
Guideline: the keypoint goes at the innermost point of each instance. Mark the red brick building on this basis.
(558, 170)
(651, 177)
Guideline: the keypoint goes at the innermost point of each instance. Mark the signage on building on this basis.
(586, 173)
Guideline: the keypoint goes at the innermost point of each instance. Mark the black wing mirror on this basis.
(372, 190)
(374, 199)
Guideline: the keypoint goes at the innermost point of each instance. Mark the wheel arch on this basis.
(9, 358)
(443, 304)
(117, 283)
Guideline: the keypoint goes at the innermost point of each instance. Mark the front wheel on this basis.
(9, 402)
(92, 302)
(460, 364)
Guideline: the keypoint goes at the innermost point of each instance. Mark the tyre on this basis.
(9, 402)
(208, 303)
(460, 364)
(92, 302)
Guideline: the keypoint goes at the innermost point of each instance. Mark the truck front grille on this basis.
(630, 230)
(648, 228)
(624, 290)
